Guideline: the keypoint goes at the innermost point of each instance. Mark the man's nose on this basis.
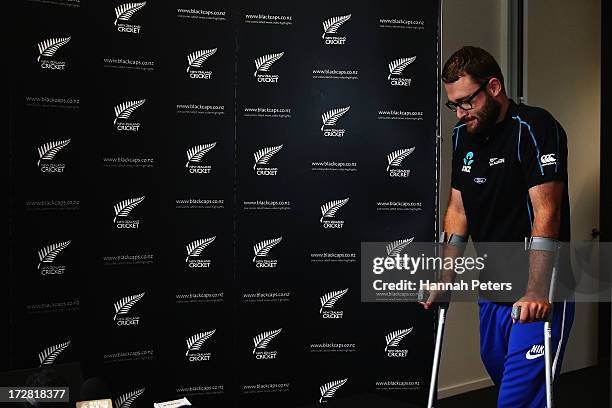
(461, 113)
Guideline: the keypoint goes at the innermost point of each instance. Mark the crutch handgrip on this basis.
(442, 301)
(516, 314)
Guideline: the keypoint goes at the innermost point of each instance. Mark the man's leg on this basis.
(495, 329)
(523, 381)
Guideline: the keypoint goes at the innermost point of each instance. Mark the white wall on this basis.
(563, 76)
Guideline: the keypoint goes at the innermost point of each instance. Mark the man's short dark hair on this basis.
(473, 61)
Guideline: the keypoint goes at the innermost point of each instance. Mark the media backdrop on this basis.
(191, 181)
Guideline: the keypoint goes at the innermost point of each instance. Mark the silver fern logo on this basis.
(330, 118)
(261, 250)
(395, 248)
(47, 50)
(330, 26)
(328, 210)
(103, 403)
(195, 343)
(393, 341)
(124, 13)
(262, 157)
(328, 390)
(123, 307)
(123, 210)
(50, 354)
(394, 161)
(195, 155)
(195, 61)
(46, 259)
(261, 343)
(126, 400)
(328, 301)
(263, 64)
(194, 249)
(47, 152)
(396, 69)
(124, 111)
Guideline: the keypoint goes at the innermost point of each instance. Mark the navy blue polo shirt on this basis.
(494, 171)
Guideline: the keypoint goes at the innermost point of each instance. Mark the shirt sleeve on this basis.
(542, 149)
(455, 179)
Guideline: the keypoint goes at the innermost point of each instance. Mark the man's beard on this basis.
(487, 117)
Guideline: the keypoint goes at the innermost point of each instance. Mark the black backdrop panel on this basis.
(192, 182)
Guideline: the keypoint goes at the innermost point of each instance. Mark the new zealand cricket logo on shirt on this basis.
(467, 162)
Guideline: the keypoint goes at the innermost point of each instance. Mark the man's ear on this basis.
(494, 86)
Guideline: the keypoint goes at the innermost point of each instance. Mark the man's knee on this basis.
(493, 360)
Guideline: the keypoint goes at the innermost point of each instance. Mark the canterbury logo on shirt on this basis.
(494, 160)
(547, 159)
(537, 350)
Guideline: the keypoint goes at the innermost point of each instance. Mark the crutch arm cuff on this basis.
(453, 239)
(541, 244)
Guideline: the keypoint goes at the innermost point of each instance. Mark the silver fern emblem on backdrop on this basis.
(195, 342)
(328, 390)
(50, 252)
(124, 110)
(263, 63)
(124, 12)
(264, 155)
(124, 305)
(196, 153)
(393, 339)
(395, 158)
(50, 149)
(396, 247)
(48, 48)
(397, 67)
(196, 247)
(123, 208)
(330, 117)
(262, 340)
(328, 210)
(262, 248)
(48, 355)
(126, 400)
(197, 58)
(331, 25)
(328, 300)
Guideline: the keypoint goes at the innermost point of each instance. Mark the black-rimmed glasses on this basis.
(465, 104)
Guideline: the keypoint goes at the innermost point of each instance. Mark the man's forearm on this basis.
(541, 262)
(448, 274)
(454, 223)
(540, 270)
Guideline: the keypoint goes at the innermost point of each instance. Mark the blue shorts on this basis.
(513, 354)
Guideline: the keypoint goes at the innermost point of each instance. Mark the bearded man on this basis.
(509, 182)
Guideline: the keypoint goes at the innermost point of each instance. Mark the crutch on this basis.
(436, 360)
(516, 313)
(442, 308)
